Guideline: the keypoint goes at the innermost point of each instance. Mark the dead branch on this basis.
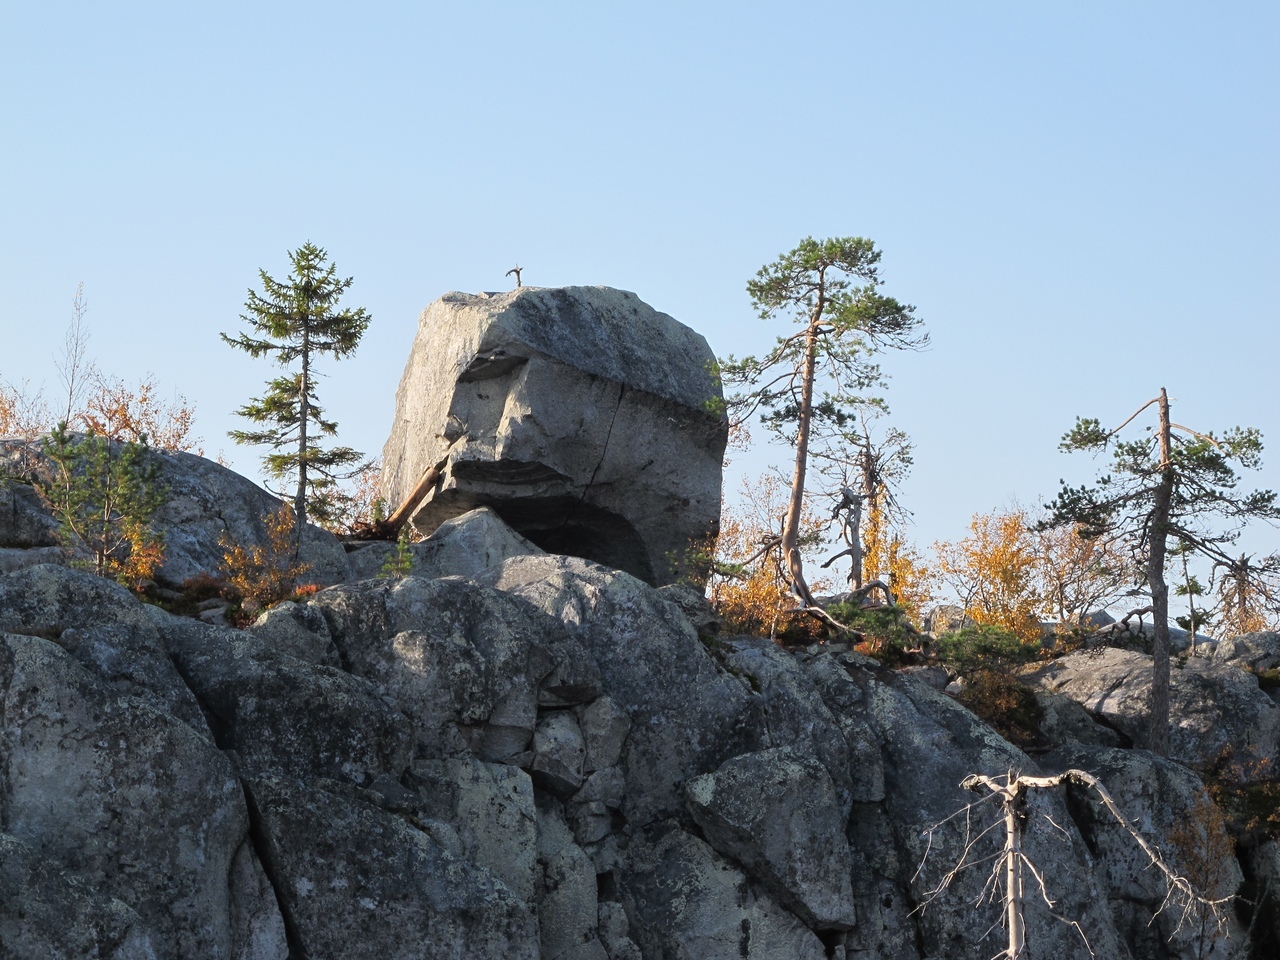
(1007, 864)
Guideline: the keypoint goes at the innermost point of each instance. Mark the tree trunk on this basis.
(856, 553)
(304, 413)
(791, 526)
(1159, 735)
(1015, 924)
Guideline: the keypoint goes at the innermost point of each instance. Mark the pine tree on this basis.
(293, 322)
(814, 378)
(1164, 490)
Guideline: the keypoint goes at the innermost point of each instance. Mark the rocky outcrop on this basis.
(581, 415)
(461, 547)
(1171, 807)
(204, 502)
(544, 760)
(1214, 709)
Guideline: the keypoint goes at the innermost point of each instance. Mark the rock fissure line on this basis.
(604, 450)
(262, 847)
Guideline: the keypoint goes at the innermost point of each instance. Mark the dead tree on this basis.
(1011, 866)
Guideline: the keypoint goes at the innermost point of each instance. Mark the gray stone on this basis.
(1170, 807)
(298, 630)
(1253, 651)
(695, 605)
(120, 795)
(1064, 721)
(615, 933)
(291, 717)
(257, 927)
(568, 911)
(355, 879)
(794, 714)
(15, 558)
(1211, 707)
(579, 414)
(106, 629)
(46, 912)
(604, 729)
(776, 813)
(558, 752)
(467, 664)
(25, 522)
(492, 808)
(686, 902)
(687, 714)
(459, 547)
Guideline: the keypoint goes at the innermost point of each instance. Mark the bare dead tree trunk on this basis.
(1013, 864)
(1159, 735)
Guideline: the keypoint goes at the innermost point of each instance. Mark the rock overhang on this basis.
(585, 418)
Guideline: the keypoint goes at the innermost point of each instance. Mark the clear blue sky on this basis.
(1081, 199)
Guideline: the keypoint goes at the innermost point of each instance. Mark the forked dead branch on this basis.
(1010, 865)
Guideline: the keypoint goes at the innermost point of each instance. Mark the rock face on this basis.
(544, 760)
(461, 547)
(1212, 707)
(204, 502)
(579, 414)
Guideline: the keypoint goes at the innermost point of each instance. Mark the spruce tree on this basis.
(293, 322)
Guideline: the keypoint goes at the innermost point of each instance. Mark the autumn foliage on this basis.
(266, 574)
(111, 409)
(748, 587)
(1008, 573)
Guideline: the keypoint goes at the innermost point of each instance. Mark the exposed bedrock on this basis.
(581, 415)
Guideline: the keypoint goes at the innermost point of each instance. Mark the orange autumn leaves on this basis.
(1009, 574)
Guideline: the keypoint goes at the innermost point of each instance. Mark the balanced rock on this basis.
(586, 419)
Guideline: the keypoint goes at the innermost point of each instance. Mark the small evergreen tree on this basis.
(293, 322)
(103, 495)
(399, 561)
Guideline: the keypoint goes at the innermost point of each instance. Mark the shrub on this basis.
(886, 630)
(262, 575)
(983, 646)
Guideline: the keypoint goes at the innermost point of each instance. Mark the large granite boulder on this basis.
(580, 414)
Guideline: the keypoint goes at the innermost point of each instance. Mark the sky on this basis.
(1079, 199)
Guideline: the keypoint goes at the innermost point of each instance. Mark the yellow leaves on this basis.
(113, 410)
(267, 574)
(1009, 574)
(993, 572)
(121, 412)
(23, 413)
(749, 588)
(910, 578)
